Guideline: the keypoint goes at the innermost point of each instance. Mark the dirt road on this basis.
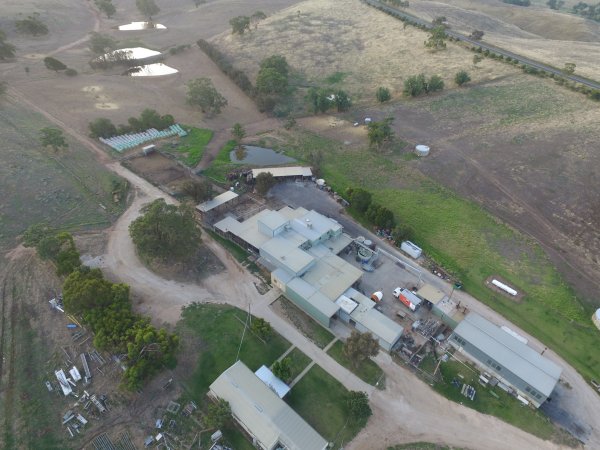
(404, 412)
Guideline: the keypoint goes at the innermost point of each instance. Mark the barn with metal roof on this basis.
(513, 362)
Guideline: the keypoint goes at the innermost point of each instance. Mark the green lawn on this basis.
(368, 370)
(221, 165)
(220, 333)
(236, 251)
(469, 242)
(299, 361)
(502, 405)
(321, 400)
(191, 147)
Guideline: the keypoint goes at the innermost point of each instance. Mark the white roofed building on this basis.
(271, 422)
(300, 248)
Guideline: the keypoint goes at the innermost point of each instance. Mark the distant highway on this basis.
(462, 37)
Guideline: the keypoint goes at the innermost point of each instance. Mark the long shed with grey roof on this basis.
(271, 422)
(513, 362)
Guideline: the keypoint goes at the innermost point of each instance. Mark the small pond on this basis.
(133, 26)
(259, 156)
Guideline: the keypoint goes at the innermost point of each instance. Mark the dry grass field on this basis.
(323, 37)
(553, 37)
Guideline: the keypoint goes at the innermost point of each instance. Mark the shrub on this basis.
(461, 78)
(70, 72)
(383, 94)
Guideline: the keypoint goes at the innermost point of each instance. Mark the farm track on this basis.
(461, 37)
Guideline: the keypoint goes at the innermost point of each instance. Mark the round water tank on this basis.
(368, 242)
(360, 239)
(422, 150)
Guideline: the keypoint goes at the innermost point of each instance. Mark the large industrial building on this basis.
(270, 421)
(300, 248)
(507, 357)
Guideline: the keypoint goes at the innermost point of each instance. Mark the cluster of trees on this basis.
(593, 94)
(107, 7)
(218, 414)
(220, 59)
(7, 50)
(361, 201)
(518, 2)
(272, 82)
(241, 24)
(322, 100)
(53, 245)
(358, 404)
(106, 308)
(165, 232)
(588, 11)
(149, 118)
(261, 328)
(203, 94)
(31, 25)
(418, 84)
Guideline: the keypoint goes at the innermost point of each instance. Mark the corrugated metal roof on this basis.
(272, 382)
(294, 171)
(267, 416)
(379, 324)
(313, 296)
(520, 359)
(219, 200)
(431, 294)
(273, 220)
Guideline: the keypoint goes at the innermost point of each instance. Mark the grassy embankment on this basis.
(318, 397)
(68, 189)
(465, 239)
(191, 147)
(222, 164)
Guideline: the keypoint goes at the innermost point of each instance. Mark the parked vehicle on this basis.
(407, 298)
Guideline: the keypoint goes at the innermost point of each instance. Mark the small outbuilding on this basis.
(217, 205)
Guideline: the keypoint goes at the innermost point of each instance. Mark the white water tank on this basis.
(422, 150)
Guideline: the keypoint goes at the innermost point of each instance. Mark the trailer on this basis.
(409, 299)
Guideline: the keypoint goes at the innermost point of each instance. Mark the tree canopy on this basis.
(54, 246)
(382, 94)
(7, 50)
(359, 199)
(31, 25)
(264, 182)
(283, 369)
(358, 405)
(437, 38)
(198, 190)
(461, 78)
(238, 132)
(239, 24)
(54, 138)
(217, 414)
(102, 128)
(167, 232)
(360, 346)
(148, 8)
(202, 93)
(380, 132)
(54, 64)
(107, 7)
(101, 43)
